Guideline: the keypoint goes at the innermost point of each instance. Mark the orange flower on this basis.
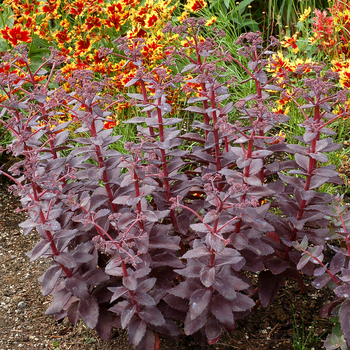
(151, 20)
(114, 20)
(50, 8)
(62, 37)
(92, 22)
(82, 46)
(111, 124)
(287, 42)
(16, 34)
(77, 8)
(195, 5)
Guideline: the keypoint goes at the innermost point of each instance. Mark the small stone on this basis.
(22, 305)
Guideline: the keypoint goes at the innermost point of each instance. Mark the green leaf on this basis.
(227, 4)
(6, 18)
(242, 5)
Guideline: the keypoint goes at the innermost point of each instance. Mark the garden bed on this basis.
(29, 327)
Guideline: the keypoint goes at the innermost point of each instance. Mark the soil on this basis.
(24, 325)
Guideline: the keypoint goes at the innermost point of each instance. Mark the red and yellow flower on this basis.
(195, 5)
(16, 35)
(291, 42)
(305, 15)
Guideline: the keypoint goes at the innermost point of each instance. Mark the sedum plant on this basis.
(167, 232)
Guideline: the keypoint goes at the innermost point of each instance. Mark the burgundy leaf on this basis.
(144, 299)
(60, 299)
(344, 319)
(207, 275)
(192, 326)
(127, 314)
(221, 309)
(148, 342)
(277, 265)
(40, 249)
(136, 330)
(184, 289)
(152, 316)
(241, 303)
(228, 256)
(65, 259)
(213, 331)
(50, 278)
(198, 302)
(130, 282)
(268, 286)
(73, 313)
(343, 291)
(321, 281)
(105, 323)
(224, 288)
(166, 259)
(197, 253)
(146, 285)
(77, 286)
(117, 292)
(176, 303)
(337, 263)
(261, 77)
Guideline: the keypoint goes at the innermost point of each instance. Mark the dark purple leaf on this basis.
(89, 311)
(105, 323)
(268, 286)
(152, 316)
(213, 331)
(303, 261)
(50, 278)
(228, 256)
(193, 137)
(337, 263)
(73, 313)
(148, 342)
(321, 281)
(40, 249)
(224, 288)
(188, 67)
(261, 77)
(241, 303)
(198, 302)
(144, 299)
(343, 291)
(166, 259)
(146, 285)
(344, 319)
(197, 253)
(82, 257)
(184, 289)
(321, 270)
(192, 326)
(221, 309)
(136, 330)
(117, 292)
(277, 265)
(130, 282)
(207, 275)
(195, 109)
(77, 286)
(65, 259)
(176, 303)
(60, 299)
(127, 314)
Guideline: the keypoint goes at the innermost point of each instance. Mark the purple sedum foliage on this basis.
(158, 235)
